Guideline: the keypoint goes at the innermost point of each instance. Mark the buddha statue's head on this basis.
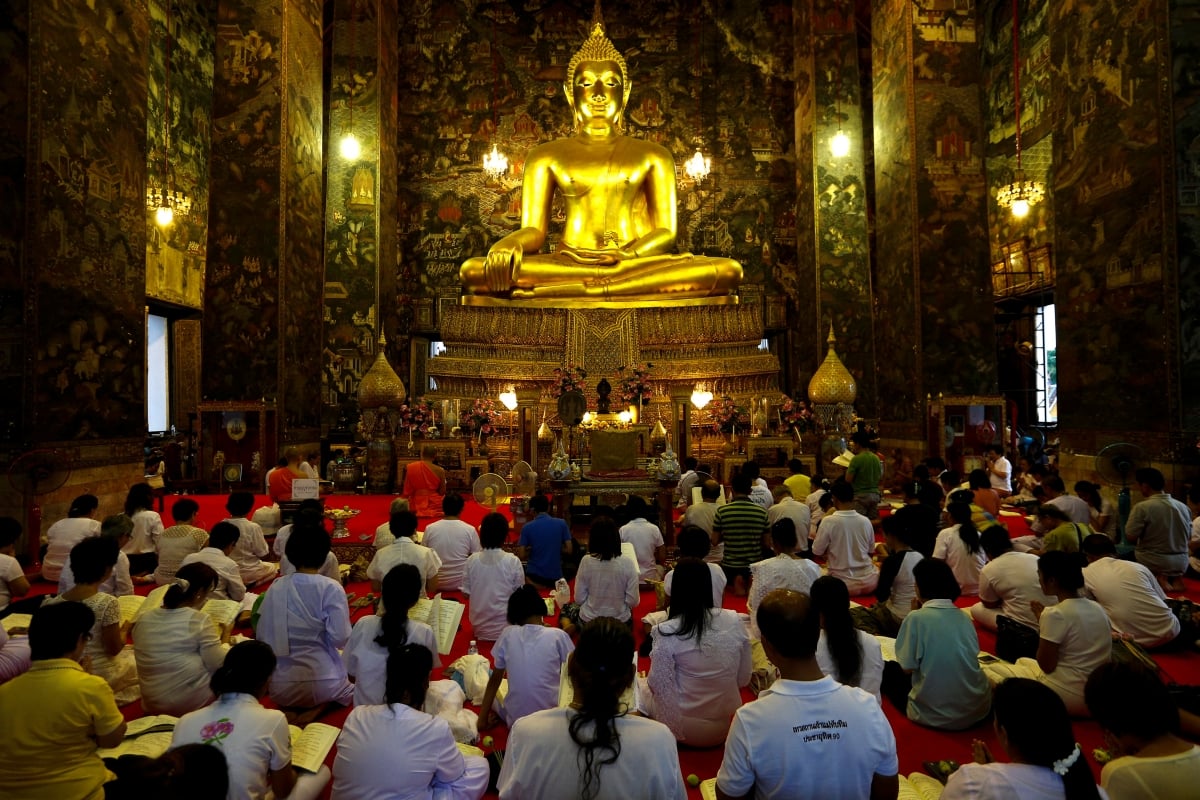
(597, 84)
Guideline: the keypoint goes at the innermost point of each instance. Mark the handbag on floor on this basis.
(1015, 640)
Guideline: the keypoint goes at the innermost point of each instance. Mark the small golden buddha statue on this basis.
(619, 197)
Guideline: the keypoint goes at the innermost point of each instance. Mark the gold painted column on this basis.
(360, 197)
(262, 321)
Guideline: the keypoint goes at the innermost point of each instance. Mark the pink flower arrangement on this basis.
(214, 732)
(796, 415)
(416, 415)
(568, 379)
(633, 383)
(481, 416)
(727, 416)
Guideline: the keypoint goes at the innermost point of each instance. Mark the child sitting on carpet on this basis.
(531, 655)
(253, 739)
(959, 546)
(251, 545)
(693, 543)
(1035, 732)
(490, 578)
(376, 635)
(850, 656)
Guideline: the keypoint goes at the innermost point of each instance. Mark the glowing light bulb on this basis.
(350, 148)
(839, 145)
(164, 216)
(495, 163)
(1020, 208)
(701, 398)
(509, 400)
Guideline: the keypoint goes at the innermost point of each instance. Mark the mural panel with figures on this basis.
(87, 251)
(1109, 195)
(14, 139)
(175, 254)
(478, 74)
(1185, 55)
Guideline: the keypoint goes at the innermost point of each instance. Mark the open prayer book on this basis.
(17, 623)
(566, 694)
(442, 615)
(223, 612)
(148, 736)
(311, 745)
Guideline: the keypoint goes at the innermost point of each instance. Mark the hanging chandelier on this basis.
(698, 166)
(165, 200)
(1019, 195)
(495, 163)
(349, 146)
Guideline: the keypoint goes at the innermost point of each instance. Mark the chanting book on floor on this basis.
(17, 623)
(148, 736)
(442, 615)
(311, 745)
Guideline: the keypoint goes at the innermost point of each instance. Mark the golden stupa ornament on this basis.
(381, 387)
(832, 383)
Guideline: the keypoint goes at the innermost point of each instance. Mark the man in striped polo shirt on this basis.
(741, 525)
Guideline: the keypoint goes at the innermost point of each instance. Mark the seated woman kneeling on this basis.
(700, 660)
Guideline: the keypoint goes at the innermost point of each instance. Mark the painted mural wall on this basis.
(1110, 192)
(175, 254)
(264, 278)
(1185, 55)
(14, 138)
(88, 232)
(491, 72)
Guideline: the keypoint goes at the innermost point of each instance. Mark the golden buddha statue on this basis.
(619, 197)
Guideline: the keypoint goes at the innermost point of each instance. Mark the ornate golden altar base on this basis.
(515, 344)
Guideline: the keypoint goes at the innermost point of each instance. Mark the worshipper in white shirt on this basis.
(1134, 601)
(309, 514)
(179, 541)
(221, 540)
(592, 748)
(896, 590)
(430, 765)
(79, 524)
(936, 678)
(703, 514)
(689, 478)
(693, 542)
(760, 493)
(1077, 510)
(404, 550)
(383, 533)
(847, 540)
(848, 655)
(252, 544)
(530, 655)
(1035, 732)
(308, 465)
(779, 745)
(1008, 583)
(376, 635)
(92, 562)
(12, 577)
(822, 505)
(999, 470)
(699, 662)
(646, 539)
(177, 647)
(306, 621)
(795, 510)
(1160, 529)
(147, 525)
(1104, 513)
(783, 571)
(1075, 635)
(254, 740)
(959, 547)
(1141, 730)
(119, 528)
(491, 577)
(453, 540)
(606, 584)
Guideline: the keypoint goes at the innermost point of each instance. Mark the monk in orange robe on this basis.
(425, 484)
(279, 485)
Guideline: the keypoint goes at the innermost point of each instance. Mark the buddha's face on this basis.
(598, 93)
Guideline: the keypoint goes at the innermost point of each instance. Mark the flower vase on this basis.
(730, 447)
(482, 449)
(635, 413)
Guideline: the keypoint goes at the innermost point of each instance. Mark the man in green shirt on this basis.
(740, 524)
(863, 474)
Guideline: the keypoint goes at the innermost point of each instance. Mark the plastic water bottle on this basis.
(472, 649)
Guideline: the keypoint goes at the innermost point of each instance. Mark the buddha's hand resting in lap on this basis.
(500, 265)
(602, 258)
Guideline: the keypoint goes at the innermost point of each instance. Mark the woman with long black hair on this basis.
(593, 749)
(844, 653)
(699, 662)
(959, 546)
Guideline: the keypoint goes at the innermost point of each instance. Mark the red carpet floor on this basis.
(914, 743)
